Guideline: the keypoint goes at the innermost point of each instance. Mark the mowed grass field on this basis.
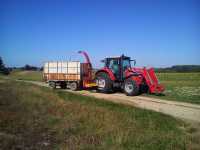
(33, 117)
(183, 87)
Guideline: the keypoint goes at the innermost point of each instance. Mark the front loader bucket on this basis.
(152, 81)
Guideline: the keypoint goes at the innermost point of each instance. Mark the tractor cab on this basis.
(118, 65)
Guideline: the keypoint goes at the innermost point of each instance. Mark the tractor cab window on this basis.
(126, 64)
(114, 65)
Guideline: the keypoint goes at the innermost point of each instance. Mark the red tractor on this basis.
(117, 73)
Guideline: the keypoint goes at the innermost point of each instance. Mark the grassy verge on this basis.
(184, 87)
(33, 117)
(26, 75)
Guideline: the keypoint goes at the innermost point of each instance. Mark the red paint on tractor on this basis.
(150, 79)
(108, 71)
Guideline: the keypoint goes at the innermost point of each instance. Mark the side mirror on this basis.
(134, 62)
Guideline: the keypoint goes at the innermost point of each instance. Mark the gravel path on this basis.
(184, 111)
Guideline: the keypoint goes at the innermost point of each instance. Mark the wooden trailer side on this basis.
(62, 71)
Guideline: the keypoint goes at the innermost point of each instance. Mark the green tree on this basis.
(1, 64)
(3, 69)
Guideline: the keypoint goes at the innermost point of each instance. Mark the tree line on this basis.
(179, 68)
(176, 68)
(3, 68)
(6, 70)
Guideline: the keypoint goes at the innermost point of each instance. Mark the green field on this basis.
(183, 87)
(33, 117)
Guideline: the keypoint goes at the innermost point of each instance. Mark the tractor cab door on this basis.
(118, 65)
(125, 63)
(114, 65)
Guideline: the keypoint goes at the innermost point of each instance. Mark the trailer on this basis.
(68, 74)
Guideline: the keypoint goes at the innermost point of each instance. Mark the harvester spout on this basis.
(87, 71)
(86, 57)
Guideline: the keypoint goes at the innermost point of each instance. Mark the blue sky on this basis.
(156, 33)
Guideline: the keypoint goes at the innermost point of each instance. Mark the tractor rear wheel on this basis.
(104, 83)
(130, 87)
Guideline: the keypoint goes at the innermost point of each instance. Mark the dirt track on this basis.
(185, 111)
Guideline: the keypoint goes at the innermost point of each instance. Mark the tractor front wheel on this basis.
(130, 87)
(104, 83)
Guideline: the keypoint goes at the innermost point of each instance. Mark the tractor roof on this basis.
(117, 57)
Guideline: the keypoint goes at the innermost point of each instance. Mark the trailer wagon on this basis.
(68, 74)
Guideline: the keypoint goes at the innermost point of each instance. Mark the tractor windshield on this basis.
(126, 64)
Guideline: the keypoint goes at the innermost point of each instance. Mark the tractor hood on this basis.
(134, 71)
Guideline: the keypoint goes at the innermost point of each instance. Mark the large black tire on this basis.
(104, 83)
(130, 87)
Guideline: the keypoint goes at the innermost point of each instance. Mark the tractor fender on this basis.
(108, 71)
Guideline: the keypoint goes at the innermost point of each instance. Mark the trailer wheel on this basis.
(104, 83)
(130, 87)
(52, 84)
(74, 86)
